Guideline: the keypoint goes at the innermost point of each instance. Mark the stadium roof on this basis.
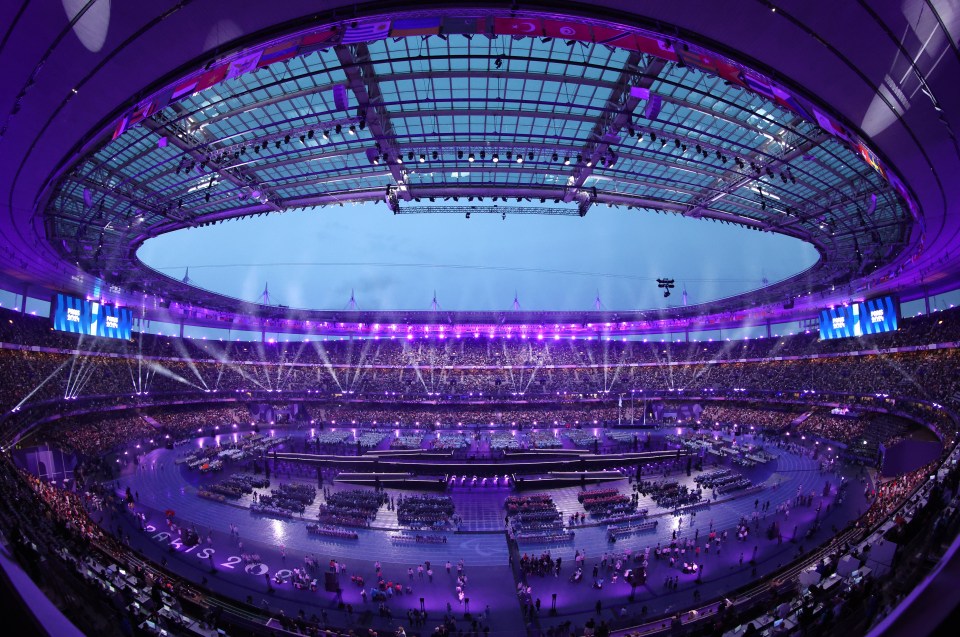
(545, 112)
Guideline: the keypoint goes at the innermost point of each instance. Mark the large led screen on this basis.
(92, 318)
(840, 322)
(870, 317)
(879, 315)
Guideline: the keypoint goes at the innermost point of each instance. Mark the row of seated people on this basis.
(92, 435)
(38, 376)
(823, 424)
(189, 422)
(764, 419)
(477, 351)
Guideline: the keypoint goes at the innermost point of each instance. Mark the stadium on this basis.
(723, 399)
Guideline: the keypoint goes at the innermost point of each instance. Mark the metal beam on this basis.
(362, 80)
(721, 189)
(492, 209)
(196, 149)
(616, 114)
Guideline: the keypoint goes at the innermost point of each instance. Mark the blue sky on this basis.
(314, 258)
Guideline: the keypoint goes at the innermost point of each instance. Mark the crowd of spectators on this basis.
(95, 435)
(38, 376)
(823, 424)
(185, 423)
(394, 350)
(762, 419)
(389, 394)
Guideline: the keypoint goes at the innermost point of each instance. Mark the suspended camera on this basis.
(666, 285)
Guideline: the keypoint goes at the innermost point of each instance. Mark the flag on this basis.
(464, 25)
(243, 64)
(365, 31)
(121, 127)
(211, 77)
(317, 40)
(758, 84)
(787, 100)
(829, 125)
(415, 26)
(142, 111)
(566, 30)
(278, 52)
(651, 46)
(709, 63)
(871, 159)
(184, 88)
(898, 186)
(517, 26)
(611, 37)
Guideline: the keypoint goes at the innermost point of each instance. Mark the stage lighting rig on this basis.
(666, 285)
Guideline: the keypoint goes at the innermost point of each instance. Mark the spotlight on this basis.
(363, 124)
(530, 156)
(459, 154)
(286, 139)
(310, 134)
(519, 159)
(410, 155)
(353, 129)
(326, 134)
(435, 155)
(653, 137)
(423, 158)
(338, 129)
(555, 157)
(471, 158)
(566, 161)
(496, 158)
(509, 155)
(483, 154)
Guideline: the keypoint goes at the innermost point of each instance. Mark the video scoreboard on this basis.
(92, 318)
(875, 316)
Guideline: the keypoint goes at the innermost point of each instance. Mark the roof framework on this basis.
(432, 119)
